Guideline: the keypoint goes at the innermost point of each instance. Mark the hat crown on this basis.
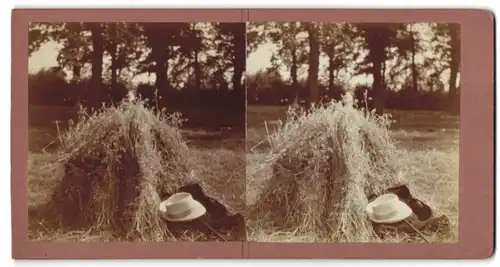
(386, 206)
(179, 204)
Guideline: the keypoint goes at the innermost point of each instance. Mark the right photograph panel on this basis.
(353, 132)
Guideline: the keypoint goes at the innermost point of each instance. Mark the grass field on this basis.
(430, 139)
(220, 159)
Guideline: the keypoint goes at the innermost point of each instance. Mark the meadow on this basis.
(218, 155)
(428, 141)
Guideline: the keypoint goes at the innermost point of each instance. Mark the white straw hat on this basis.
(388, 209)
(181, 207)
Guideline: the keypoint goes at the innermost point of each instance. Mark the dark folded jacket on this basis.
(217, 219)
(422, 218)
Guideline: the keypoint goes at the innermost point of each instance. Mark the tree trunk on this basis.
(239, 56)
(114, 72)
(160, 71)
(166, 57)
(76, 82)
(378, 89)
(197, 70)
(76, 72)
(313, 64)
(95, 96)
(331, 67)
(238, 73)
(113, 52)
(455, 60)
(414, 74)
(453, 79)
(377, 40)
(295, 81)
(195, 97)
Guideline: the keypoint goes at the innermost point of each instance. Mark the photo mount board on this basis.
(476, 186)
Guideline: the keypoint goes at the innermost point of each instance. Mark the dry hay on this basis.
(116, 165)
(325, 165)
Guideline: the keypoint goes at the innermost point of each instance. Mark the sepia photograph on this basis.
(352, 132)
(136, 131)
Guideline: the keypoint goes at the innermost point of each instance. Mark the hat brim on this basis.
(403, 212)
(197, 210)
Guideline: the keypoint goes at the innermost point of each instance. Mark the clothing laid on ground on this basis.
(423, 217)
(216, 224)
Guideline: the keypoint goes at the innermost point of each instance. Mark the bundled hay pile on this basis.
(325, 165)
(117, 165)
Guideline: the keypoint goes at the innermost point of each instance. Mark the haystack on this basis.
(325, 165)
(116, 166)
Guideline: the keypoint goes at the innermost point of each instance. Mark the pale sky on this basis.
(45, 57)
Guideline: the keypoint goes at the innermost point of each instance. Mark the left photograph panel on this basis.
(136, 131)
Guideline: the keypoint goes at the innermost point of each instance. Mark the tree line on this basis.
(102, 58)
(406, 62)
